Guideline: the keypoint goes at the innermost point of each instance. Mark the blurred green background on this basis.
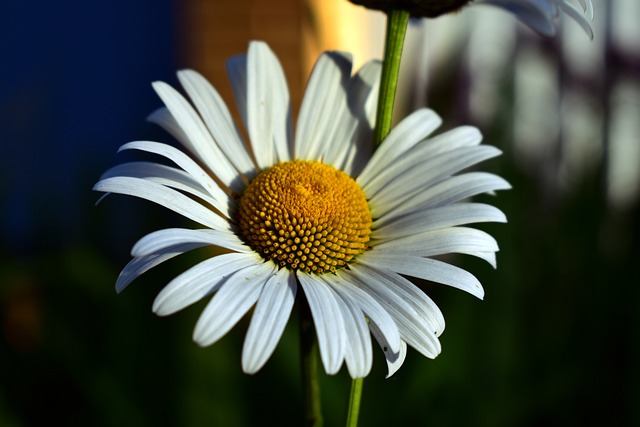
(555, 342)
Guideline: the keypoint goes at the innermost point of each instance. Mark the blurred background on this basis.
(556, 340)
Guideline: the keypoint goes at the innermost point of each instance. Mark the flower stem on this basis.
(397, 22)
(309, 357)
(354, 402)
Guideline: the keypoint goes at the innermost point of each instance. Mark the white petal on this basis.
(415, 322)
(577, 16)
(218, 120)
(538, 17)
(163, 118)
(165, 196)
(323, 105)
(140, 265)
(394, 359)
(410, 131)
(587, 6)
(389, 354)
(488, 256)
(268, 108)
(353, 153)
(328, 321)
(462, 136)
(414, 177)
(442, 241)
(446, 192)
(162, 239)
(222, 201)
(424, 154)
(162, 174)
(425, 268)
(234, 299)
(440, 217)
(269, 320)
(358, 356)
(200, 280)
(410, 292)
(199, 141)
(342, 284)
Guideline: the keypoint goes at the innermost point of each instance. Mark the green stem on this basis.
(397, 21)
(309, 356)
(354, 402)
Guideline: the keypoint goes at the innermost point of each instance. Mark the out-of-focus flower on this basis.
(416, 8)
(315, 209)
(542, 15)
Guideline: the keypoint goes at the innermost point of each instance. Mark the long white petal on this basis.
(442, 241)
(162, 174)
(358, 355)
(409, 291)
(269, 320)
(221, 200)
(423, 152)
(414, 177)
(268, 109)
(342, 284)
(140, 265)
(440, 217)
(446, 192)
(352, 155)
(415, 323)
(410, 131)
(164, 196)
(200, 280)
(328, 321)
(163, 118)
(218, 120)
(323, 104)
(234, 299)
(425, 268)
(200, 141)
(162, 239)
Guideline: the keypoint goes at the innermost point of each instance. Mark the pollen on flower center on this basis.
(305, 215)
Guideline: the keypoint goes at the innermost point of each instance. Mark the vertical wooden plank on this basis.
(214, 30)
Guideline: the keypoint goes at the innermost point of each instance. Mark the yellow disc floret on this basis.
(305, 215)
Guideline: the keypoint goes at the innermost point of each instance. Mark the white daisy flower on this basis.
(542, 15)
(315, 209)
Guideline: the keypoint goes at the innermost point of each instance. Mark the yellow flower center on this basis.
(305, 215)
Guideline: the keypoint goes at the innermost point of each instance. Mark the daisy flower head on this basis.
(542, 15)
(312, 210)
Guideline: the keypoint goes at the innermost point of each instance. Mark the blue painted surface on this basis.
(74, 85)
